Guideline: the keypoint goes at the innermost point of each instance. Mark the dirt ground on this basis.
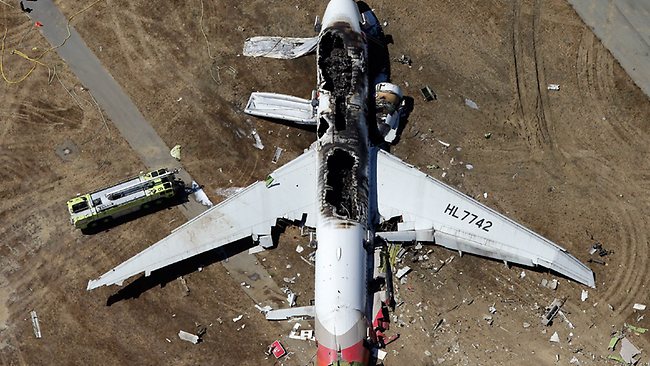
(570, 164)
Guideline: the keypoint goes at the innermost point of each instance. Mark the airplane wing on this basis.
(280, 106)
(279, 47)
(289, 192)
(434, 212)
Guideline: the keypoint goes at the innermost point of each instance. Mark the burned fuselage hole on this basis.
(341, 184)
(336, 70)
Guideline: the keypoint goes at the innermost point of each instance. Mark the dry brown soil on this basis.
(570, 164)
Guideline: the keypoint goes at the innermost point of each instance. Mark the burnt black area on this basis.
(340, 184)
(336, 65)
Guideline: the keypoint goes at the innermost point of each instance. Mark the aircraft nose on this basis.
(345, 11)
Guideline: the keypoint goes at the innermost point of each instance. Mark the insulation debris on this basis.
(35, 324)
(189, 337)
(279, 47)
(236, 319)
(555, 338)
(584, 296)
(200, 196)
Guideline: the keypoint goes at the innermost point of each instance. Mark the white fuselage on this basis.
(341, 256)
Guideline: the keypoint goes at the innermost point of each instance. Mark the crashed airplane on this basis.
(345, 186)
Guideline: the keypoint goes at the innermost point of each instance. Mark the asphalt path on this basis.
(624, 28)
(142, 138)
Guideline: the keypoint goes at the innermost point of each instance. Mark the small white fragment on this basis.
(574, 361)
(179, 99)
(263, 310)
(291, 299)
(445, 144)
(555, 338)
(402, 272)
(189, 337)
(470, 103)
(236, 319)
(522, 274)
(35, 325)
(258, 141)
(554, 87)
(485, 195)
(492, 310)
(276, 155)
(639, 307)
(469, 166)
(585, 295)
(299, 249)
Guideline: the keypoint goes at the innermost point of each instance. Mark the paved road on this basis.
(142, 138)
(624, 28)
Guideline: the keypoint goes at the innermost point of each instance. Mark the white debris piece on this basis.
(554, 87)
(555, 338)
(258, 141)
(470, 103)
(236, 319)
(444, 143)
(639, 307)
(302, 335)
(200, 196)
(585, 295)
(175, 152)
(189, 337)
(402, 272)
(291, 299)
(279, 47)
(485, 195)
(276, 155)
(35, 324)
(522, 274)
(300, 249)
(379, 354)
(574, 361)
(492, 310)
(256, 249)
(264, 309)
(628, 351)
(469, 166)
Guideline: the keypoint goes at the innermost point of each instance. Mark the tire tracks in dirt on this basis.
(533, 116)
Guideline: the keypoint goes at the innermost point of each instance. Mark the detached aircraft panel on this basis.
(279, 47)
(454, 220)
(289, 193)
(283, 107)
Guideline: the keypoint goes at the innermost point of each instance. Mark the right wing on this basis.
(280, 106)
(289, 192)
(432, 211)
(279, 47)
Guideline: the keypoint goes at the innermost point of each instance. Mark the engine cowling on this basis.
(388, 103)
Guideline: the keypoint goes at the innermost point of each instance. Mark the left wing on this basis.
(432, 211)
(289, 192)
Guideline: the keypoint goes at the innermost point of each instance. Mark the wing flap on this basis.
(289, 193)
(461, 223)
(280, 106)
(279, 47)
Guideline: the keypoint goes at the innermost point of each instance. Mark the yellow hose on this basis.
(36, 61)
